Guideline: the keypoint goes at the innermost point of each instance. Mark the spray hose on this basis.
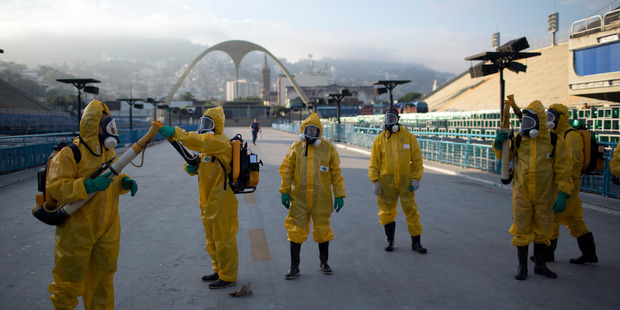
(60, 214)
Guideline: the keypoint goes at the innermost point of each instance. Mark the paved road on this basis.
(465, 215)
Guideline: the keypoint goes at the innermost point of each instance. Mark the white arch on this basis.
(237, 50)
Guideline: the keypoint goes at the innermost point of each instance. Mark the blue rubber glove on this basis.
(560, 203)
(338, 203)
(130, 184)
(415, 184)
(167, 131)
(499, 139)
(97, 184)
(191, 169)
(286, 200)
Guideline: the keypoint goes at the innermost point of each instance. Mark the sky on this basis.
(438, 34)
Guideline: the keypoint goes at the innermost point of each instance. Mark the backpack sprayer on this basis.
(506, 173)
(51, 214)
(244, 175)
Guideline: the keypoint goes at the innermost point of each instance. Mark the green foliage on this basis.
(279, 110)
(251, 98)
(187, 96)
(409, 97)
(65, 102)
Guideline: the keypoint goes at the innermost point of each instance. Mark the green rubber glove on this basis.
(338, 203)
(560, 203)
(499, 139)
(191, 169)
(415, 184)
(130, 184)
(167, 131)
(286, 200)
(97, 184)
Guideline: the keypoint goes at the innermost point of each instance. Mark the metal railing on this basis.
(459, 149)
(22, 152)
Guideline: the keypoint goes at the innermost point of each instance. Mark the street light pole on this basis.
(81, 84)
(131, 102)
(389, 85)
(338, 98)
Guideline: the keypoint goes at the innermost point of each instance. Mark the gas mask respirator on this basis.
(529, 124)
(390, 122)
(311, 135)
(553, 117)
(110, 138)
(206, 125)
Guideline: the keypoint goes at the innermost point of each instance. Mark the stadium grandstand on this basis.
(22, 114)
(582, 73)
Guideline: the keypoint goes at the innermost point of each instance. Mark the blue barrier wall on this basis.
(22, 152)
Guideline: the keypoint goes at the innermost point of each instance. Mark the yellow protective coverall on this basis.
(218, 206)
(87, 243)
(572, 216)
(307, 179)
(536, 177)
(614, 164)
(395, 160)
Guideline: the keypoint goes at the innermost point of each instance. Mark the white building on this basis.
(244, 89)
(303, 80)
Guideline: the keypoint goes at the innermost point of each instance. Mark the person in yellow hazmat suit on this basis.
(572, 216)
(309, 170)
(614, 163)
(218, 204)
(87, 243)
(395, 171)
(540, 168)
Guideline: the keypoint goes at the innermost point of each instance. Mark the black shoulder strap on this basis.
(554, 140)
(77, 155)
(569, 130)
(518, 140)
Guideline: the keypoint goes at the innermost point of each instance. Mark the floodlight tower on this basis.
(81, 84)
(504, 57)
(388, 86)
(338, 98)
(132, 102)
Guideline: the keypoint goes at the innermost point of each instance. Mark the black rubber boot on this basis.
(324, 255)
(416, 245)
(522, 256)
(588, 250)
(550, 251)
(294, 271)
(221, 284)
(211, 278)
(389, 232)
(540, 255)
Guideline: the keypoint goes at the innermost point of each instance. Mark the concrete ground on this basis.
(465, 213)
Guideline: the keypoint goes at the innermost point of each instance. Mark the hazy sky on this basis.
(438, 34)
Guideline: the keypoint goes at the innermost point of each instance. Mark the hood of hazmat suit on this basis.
(573, 141)
(218, 204)
(309, 180)
(88, 242)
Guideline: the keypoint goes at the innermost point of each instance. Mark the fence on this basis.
(22, 152)
(460, 149)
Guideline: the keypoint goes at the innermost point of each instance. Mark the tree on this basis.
(187, 96)
(409, 97)
(65, 102)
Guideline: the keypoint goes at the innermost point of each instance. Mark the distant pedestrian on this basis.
(255, 129)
